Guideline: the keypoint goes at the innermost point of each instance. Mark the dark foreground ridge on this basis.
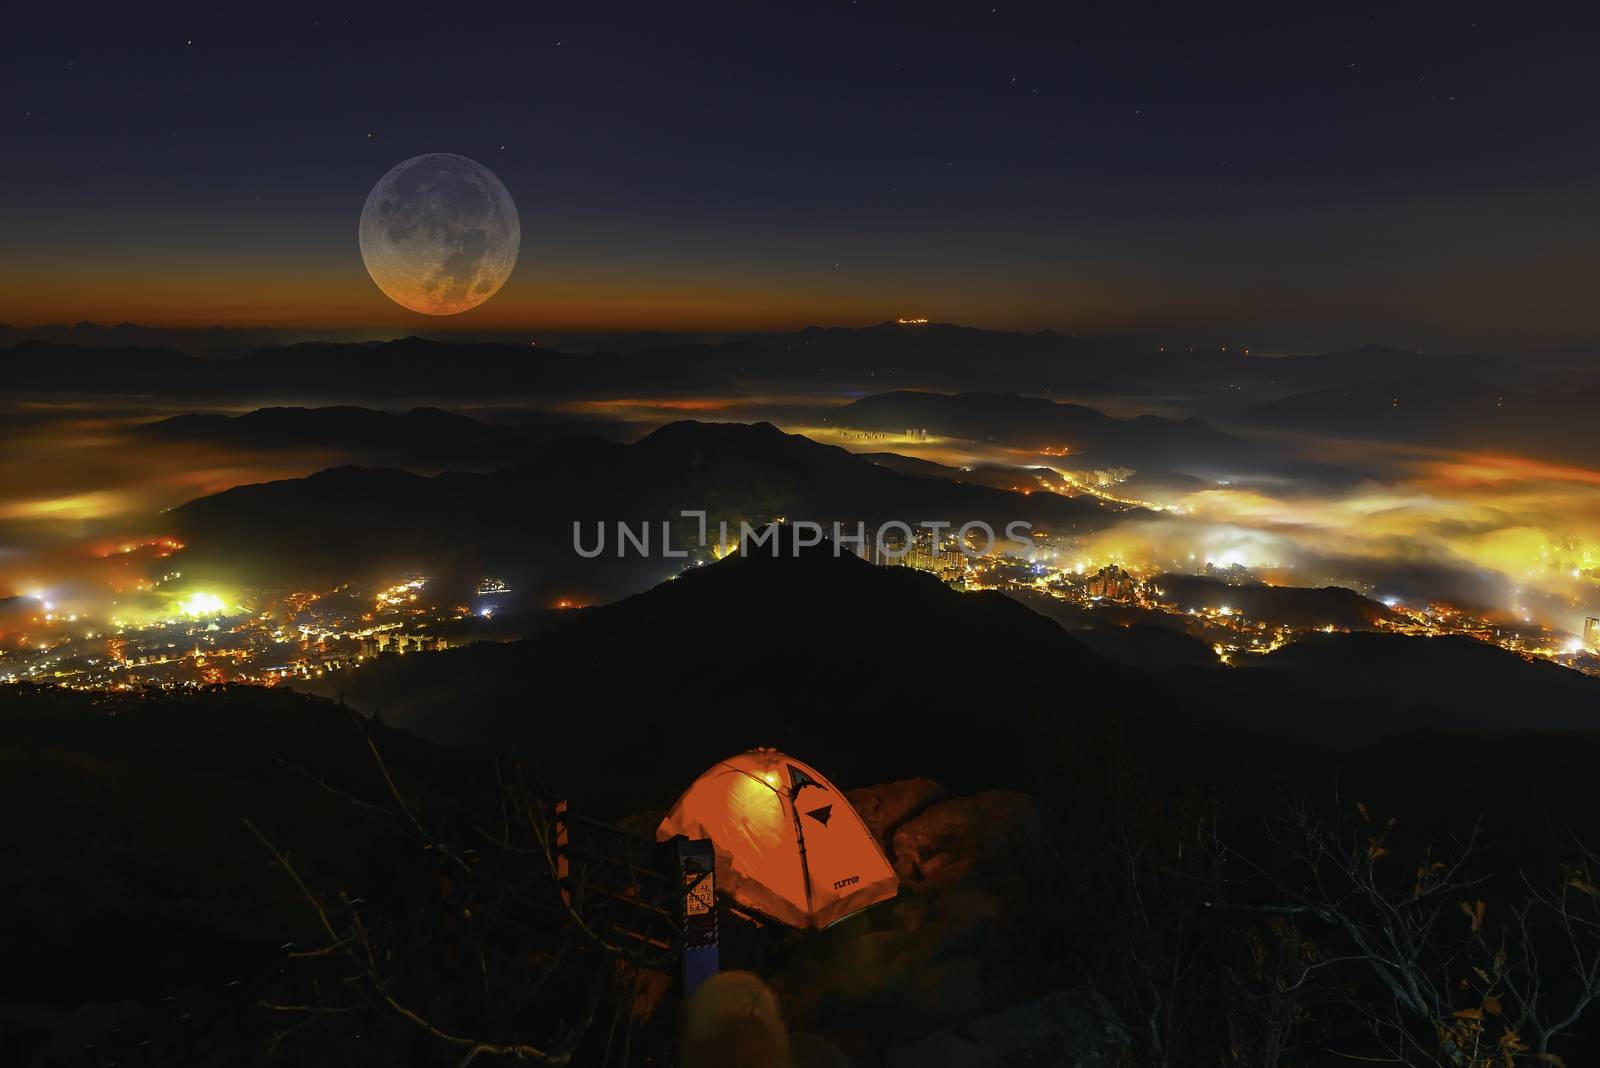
(887, 672)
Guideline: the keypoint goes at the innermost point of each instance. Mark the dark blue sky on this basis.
(1266, 174)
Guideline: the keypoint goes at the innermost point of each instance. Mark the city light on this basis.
(202, 604)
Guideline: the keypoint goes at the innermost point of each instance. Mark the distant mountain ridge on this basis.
(230, 342)
(1034, 422)
(1445, 411)
(432, 438)
(519, 522)
(944, 356)
(407, 367)
(422, 435)
(886, 356)
(219, 342)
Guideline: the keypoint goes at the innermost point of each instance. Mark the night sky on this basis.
(1275, 176)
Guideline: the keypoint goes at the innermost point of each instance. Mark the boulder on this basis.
(984, 836)
(1074, 1028)
(885, 807)
(911, 913)
(966, 904)
(938, 940)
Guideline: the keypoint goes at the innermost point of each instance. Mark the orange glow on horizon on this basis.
(335, 292)
(311, 300)
(1476, 469)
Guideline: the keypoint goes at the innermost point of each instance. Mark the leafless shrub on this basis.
(1435, 975)
(482, 950)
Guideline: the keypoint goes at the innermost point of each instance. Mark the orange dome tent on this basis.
(787, 842)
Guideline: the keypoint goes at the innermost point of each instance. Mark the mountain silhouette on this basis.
(881, 671)
(1349, 689)
(887, 356)
(518, 523)
(884, 671)
(221, 342)
(406, 367)
(422, 435)
(1445, 411)
(945, 356)
(1298, 606)
(1036, 423)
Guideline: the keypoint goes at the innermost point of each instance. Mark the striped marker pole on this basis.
(563, 864)
(701, 955)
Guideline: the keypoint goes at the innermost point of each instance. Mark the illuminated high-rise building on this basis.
(1111, 583)
(1591, 633)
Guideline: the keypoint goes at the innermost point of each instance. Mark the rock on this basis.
(1074, 1028)
(937, 940)
(733, 1022)
(861, 969)
(911, 913)
(965, 904)
(965, 836)
(942, 1050)
(884, 808)
(865, 951)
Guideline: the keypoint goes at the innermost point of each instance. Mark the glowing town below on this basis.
(269, 638)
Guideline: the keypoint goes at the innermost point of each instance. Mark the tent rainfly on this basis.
(787, 842)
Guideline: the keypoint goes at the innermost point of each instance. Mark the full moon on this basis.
(440, 234)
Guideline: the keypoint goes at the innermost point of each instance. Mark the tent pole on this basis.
(805, 866)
